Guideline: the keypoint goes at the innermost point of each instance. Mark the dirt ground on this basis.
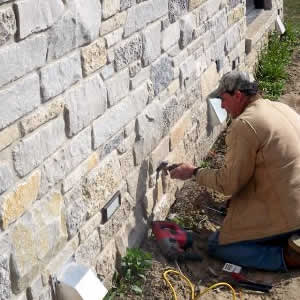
(201, 221)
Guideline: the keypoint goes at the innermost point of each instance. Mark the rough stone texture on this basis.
(93, 56)
(88, 251)
(112, 144)
(84, 103)
(161, 74)
(32, 150)
(107, 71)
(78, 26)
(116, 118)
(57, 77)
(5, 284)
(8, 136)
(73, 178)
(66, 159)
(160, 153)
(134, 68)
(102, 183)
(23, 57)
(117, 87)
(151, 43)
(75, 211)
(35, 289)
(14, 204)
(142, 76)
(128, 52)
(187, 25)
(209, 80)
(34, 16)
(36, 238)
(187, 72)
(170, 36)
(42, 115)
(113, 23)
(236, 14)
(6, 177)
(178, 131)
(106, 263)
(18, 99)
(8, 25)
(92, 224)
(124, 4)
(110, 7)
(195, 3)
(176, 9)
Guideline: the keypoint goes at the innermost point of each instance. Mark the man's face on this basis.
(233, 103)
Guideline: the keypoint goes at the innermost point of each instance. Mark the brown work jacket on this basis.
(261, 171)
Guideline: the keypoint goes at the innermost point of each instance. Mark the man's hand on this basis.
(182, 172)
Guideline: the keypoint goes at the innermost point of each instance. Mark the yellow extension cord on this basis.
(192, 286)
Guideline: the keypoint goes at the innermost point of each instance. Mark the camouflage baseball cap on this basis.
(236, 80)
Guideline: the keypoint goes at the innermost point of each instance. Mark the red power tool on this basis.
(173, 241)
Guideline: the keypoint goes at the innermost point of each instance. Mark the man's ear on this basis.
(238, 94)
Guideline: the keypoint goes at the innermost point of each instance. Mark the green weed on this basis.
(132, 273)
(271, 71)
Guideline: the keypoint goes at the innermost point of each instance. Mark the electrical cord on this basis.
(193, 297)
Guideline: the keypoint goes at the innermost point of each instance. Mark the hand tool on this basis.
(221, 212)
(173, 241)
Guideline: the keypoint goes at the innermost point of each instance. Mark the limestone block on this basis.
(172, 110)
(131, 234)
(195, 3)
(134, 68)
(8, 136)
(14, 204)
(159, 154)
(5, 283)
(151, 43)
(78, 26)
(8, 26)
(19, 99)
(45, 294)
(209, 80)
(73, 178)
(178, 131)
(128, 52)
(170, 36)
(124, 4)
(159, 8)
(177, 8)
(235, 15)
(178, 59)
(109, 8)
(35, 288)
(102, 183)
(6, 177)
(137, 181)
(112, 144)
(89, 250)
(113, 225)
(84, 103)
(32, 150)
(213, 7)
(138, 17)
(126, 163)
(116, 118)
(165, 22)
(161, 74)
(188, 72)
(113, 23)
(89, 227)
(65, 160)
(20, 58)
(106, 263)
(219, 24)
(113, 37)
(142, 76)
(187, 26)
(34, 16)
(58, 76)
(41, 116)
(75, 211)
(93, 56)
(173, 87)
(161, 209)
(118, 87)
(107, 71)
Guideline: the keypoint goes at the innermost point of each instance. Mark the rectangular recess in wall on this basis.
(111, 207)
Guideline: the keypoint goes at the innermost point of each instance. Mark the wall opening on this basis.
(255, 7)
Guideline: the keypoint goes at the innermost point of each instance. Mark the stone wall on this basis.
(93, 94)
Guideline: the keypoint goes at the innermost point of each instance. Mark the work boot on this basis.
(292, 252)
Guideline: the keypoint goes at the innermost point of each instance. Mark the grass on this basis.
(271, 71)
(131, 277)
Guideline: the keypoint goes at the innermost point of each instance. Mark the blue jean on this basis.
(264, 254)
